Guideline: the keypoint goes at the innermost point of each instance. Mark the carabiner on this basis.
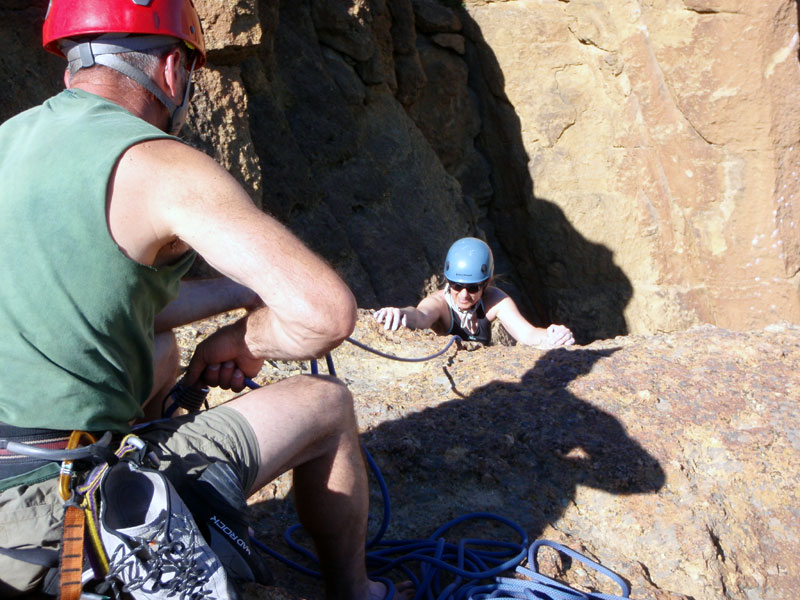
(65, 475)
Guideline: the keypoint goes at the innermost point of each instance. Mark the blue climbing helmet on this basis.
(469, 260)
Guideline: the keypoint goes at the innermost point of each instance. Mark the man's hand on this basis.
(223, 360)
(392, 318)
(558, 335)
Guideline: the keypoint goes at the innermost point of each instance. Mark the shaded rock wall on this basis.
(334, 154)
(633, 164)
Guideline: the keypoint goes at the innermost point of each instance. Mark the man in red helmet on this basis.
(101, 211)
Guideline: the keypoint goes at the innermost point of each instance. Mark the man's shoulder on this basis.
(167, 145)
(169, 154)
(21, 118)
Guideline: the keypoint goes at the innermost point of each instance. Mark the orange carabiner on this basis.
(65, 476)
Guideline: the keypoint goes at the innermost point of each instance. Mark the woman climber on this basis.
(469, 303)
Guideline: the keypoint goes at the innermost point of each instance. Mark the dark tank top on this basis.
(484, 332)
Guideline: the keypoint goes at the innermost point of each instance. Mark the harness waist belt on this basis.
(13, 464)
(50, 439)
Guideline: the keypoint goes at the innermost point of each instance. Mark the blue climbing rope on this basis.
(469, 569)
(469, 562)
(537, 585)
(392, 356)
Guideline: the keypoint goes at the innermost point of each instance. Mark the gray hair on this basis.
(140, 52)
(147, 60)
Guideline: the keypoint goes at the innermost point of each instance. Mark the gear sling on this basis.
(80, 535)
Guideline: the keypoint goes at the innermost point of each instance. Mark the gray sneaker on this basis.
(154, 547)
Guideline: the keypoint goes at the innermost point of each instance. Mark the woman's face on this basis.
(465, 296)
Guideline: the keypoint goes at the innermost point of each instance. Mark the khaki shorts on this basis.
(31, 515)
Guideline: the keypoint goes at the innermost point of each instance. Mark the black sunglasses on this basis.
(472, 288)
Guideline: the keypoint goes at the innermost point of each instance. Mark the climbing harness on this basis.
(77, 513)
(74, 529)
(161, 547)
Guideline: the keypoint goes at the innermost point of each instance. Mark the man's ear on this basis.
(173, 66)
(67, 79)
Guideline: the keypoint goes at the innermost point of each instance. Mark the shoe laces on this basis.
(166, 567)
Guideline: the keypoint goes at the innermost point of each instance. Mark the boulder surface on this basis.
(673, 459)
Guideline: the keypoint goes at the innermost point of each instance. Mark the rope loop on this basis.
(400, 358)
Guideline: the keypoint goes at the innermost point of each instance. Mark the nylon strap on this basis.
(72, 553)
(101, 52)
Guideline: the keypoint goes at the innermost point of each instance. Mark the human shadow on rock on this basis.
(519, 450)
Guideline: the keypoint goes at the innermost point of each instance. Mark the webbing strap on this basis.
(44, 557)
(72, 553)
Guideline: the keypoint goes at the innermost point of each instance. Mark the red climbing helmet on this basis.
(80, 18)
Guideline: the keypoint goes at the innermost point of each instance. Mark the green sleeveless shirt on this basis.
(76, 315)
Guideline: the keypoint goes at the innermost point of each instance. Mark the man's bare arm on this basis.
(203, 298)
(181, 195)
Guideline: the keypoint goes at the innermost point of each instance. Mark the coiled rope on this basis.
(465, 570)
(540, 586)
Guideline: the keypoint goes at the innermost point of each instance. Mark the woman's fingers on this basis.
(559, 335)
(391, 318)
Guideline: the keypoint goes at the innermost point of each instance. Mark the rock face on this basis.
(673, 459)
(633, 164)
(661, 131)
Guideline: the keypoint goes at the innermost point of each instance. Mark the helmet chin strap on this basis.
(178, 116)
(102, 52)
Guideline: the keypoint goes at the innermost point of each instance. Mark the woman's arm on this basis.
(501, 306)
(423, 316)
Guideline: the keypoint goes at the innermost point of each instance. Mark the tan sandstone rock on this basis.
(665, 132)
(633, 163)
(672, 459)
